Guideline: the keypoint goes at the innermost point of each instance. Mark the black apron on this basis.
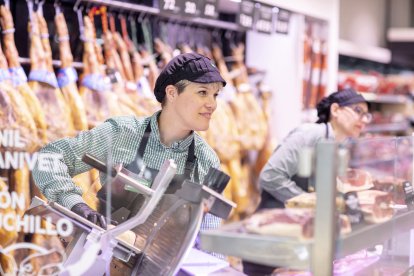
(124, 203)
(269, 201)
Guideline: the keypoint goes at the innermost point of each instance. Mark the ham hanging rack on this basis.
(131, 8)
(155, 11)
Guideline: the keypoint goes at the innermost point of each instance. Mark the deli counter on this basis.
(363, 225)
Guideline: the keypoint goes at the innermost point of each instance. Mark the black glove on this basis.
(87, 212)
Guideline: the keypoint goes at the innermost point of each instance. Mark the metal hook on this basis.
(133, 27)
(227, 34)
(30, 8)
(121, 15)
(76, 6)
(79, 10)
(58, 8)
(88, 7)
(141, 17)
(39, 4)
(131, 17)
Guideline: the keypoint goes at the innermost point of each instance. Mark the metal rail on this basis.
(129, 7)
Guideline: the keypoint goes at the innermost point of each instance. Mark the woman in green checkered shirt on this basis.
(187, 89)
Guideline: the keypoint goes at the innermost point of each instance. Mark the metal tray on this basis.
(233, 240)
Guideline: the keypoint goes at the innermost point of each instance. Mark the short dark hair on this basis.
(181, 85)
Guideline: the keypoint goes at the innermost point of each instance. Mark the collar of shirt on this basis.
(331, 133)
(177, 145)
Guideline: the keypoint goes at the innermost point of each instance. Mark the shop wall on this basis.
(281, 57)
(363, 22)
(401, 13)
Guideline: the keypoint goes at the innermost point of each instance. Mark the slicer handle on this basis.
(98, 164)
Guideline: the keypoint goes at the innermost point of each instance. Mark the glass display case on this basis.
(359, 220)
(150, 229)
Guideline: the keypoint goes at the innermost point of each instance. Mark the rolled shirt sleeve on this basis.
(53, 175)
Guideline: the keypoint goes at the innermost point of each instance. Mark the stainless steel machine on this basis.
(165, 227)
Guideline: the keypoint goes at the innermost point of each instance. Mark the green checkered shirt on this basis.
(116, 141)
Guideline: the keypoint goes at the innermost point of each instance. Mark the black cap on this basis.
(192, 67)
(347, 97)
(342, 98)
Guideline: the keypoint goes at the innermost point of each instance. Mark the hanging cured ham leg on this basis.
(67, 76)
(43, 82)
(19, 79)
(92, 88)
(14, 112)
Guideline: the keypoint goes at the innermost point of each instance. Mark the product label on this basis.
(246, 14)
(283, 21)
(25, 258)
(352, 208)
(228, 93)
(95, 82)
(170, 6)
(209, 9)
(191, 8)
(4, 75)
(264, 18)
(409, 194)
(13, 156)
(18, 76)
(11, 221)
(66, 76)
(56, 258)
(43, 76)
(144, 88)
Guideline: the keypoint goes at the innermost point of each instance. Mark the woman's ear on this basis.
(334, 109)
(171, 92)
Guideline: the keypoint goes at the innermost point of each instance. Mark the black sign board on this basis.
(191, 8)
(246, 14)
(263, 18)
(209, 9)
(171, 6)
(282, 22)
(409, 194)
(352, 208)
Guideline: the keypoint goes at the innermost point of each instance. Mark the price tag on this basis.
(352, 208)
(191, 8)
(264, 19)
(171, 6)
(209, 9)
(246, 14)
(409, 194)
(282, 22)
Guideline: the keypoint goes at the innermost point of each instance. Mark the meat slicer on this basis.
(165, 227)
